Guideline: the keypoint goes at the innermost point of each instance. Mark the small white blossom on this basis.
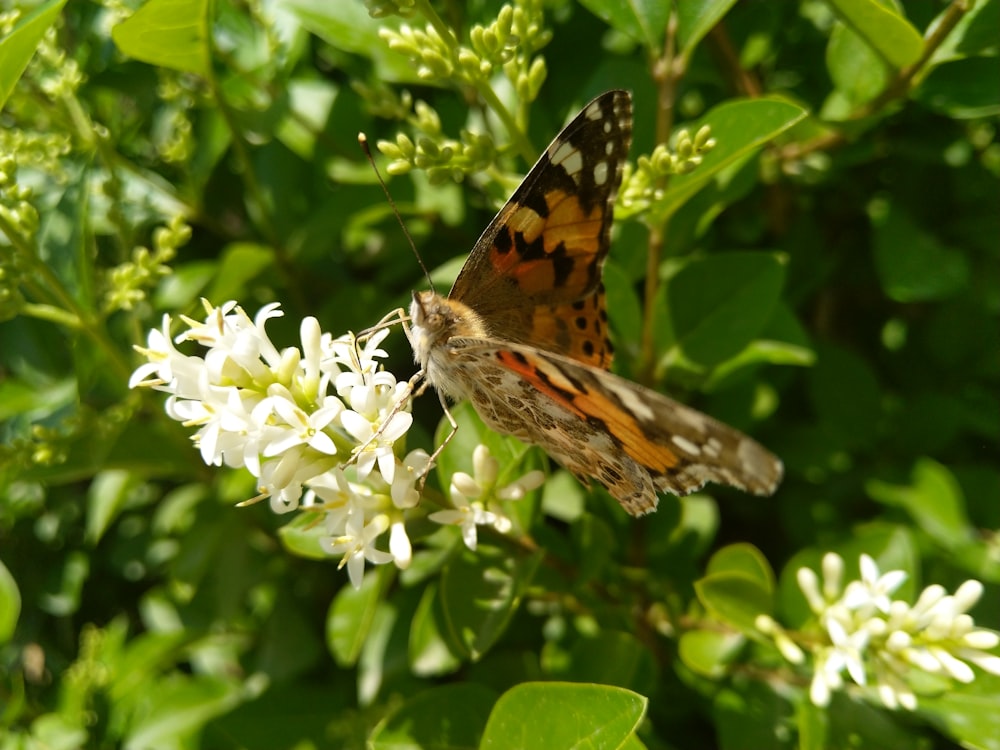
(357, 544)
(404, 481)
(376, 441)
(472, 497)
(399, 545)
(468, 516)
(873, 591)
(877, 640)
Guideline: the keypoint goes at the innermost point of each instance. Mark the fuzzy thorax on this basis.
(434, 320)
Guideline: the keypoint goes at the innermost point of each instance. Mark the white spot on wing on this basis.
(685, 445)
(631, 401)
(568, 157)
(601, 172)
(593, 112)
(712, 448)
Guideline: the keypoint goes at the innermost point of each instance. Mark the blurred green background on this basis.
(829, 284)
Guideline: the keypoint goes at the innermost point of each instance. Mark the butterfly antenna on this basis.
(363, 142)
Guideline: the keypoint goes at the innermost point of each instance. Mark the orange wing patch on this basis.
(593, 406)
(556, 256)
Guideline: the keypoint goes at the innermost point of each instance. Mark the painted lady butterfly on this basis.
(523, 335)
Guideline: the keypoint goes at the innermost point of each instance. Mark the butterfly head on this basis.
(435, 319)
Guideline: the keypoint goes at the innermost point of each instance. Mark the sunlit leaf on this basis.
(887, 32)
(590, 716)
(171, 33)
(17, 48)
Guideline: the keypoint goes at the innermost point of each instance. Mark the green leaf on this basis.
(146, 654)
(241, 263)
(301, 537)
(740, 127)
(857, 71)
(735, 598)
(169, 33)
(623, 303)
(846, 396)
(975, 34)
(347, 26)
(65, 585)
(480, 591)
(35, 399)
(541, 716)
(744, 559)
(594, 542)
(563, 497)
(351, 613)
(718, 304)
(63, 241)
(383, 651)
(108, 494)
(883, 29)
(457, 456)
(59, 731)
(17, 48)
(748, 717)
(709, 652)
(641, 20)
(968, 714)
(613, 658)
(782, 342)
(450, 716)
(934, 500)
(963, 89)
(913, 265)
(813, 725)
(695, 18)
(428, 650)
(174, 710)
(10, 604)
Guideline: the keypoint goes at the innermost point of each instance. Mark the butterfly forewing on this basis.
(548, 244)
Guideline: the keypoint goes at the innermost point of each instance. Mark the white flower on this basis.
(295, 426)
(471, 497)
(332, 493)
(874, 589)
(357, 544)
(468, 516)
(344, 351)
(404, 481)
(175, 372)
(399, 544)
(376, 440)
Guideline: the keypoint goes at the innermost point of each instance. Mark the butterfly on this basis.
(522, 335)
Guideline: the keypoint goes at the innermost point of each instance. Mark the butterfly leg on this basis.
(444, 443)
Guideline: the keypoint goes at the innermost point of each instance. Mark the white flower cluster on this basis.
(869, 635)
(318, 427)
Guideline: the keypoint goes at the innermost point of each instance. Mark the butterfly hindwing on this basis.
(632, 440)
